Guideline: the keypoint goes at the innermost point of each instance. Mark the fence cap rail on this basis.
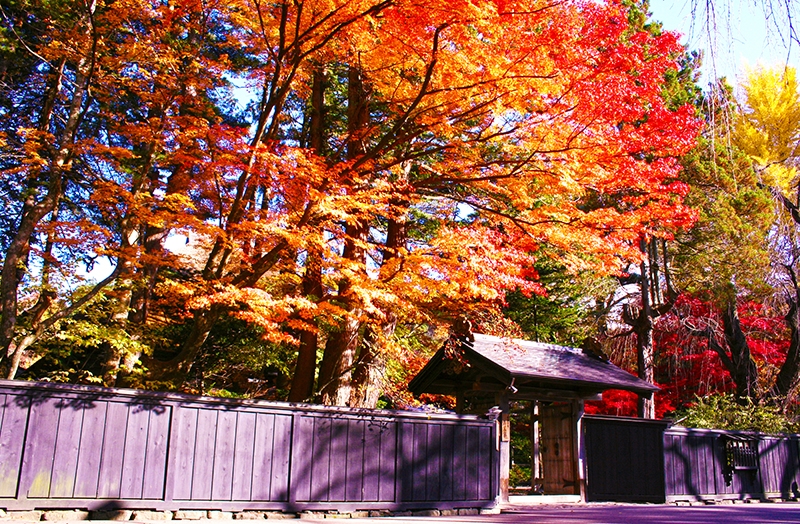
(628, 420)
(99, 393)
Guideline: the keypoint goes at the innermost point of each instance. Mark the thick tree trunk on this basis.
(370, 368)
(739, 362)
(302, 389)
(644, 342)
(340, 350)
(337, 362)
(371, 365)
(787, 377)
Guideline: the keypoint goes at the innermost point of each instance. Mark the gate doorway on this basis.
(545, 448)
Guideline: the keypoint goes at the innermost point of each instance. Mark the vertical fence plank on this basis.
(356, 477)
(446, 464)
(40, 447)
(90, 452)
(12, 440)
(339, 452)
(281, 458)
(390, 459)
(262, 460)
(303, 433)
(419, 478)
(135, 446)
(225, 438)
(157, 449)
(244, 450)
(433, 461)
(321, 459)
(203, 472)
(116, 425)
(460, 461)
(185, 436)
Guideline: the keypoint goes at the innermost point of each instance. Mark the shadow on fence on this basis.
(100, 449)
(641, 460)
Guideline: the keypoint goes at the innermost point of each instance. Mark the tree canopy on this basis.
(339, 168)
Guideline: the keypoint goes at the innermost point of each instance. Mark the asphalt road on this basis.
(784, 512)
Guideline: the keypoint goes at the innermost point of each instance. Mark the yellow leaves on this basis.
(783, 177)
(767, 126)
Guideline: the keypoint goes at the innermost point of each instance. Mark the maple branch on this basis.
(423, 91)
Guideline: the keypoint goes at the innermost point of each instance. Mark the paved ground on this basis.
(784, 512)
(593, 513)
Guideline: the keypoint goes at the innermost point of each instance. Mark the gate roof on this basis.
(524, 369)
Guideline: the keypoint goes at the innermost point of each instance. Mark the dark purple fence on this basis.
(623, 459)
(641, 460)
(712, 464)
(94, 448)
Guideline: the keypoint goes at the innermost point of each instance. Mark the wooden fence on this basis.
(638, 460)
(100, 449)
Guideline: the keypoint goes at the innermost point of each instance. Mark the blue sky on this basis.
(744, 33)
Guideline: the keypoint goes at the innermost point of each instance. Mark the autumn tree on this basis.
(397, 162)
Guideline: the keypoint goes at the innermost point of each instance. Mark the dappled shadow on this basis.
(88, 447)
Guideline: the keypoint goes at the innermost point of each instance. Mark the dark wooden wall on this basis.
(695, 466)
(94, 448)
(624, 459)
(641, 460)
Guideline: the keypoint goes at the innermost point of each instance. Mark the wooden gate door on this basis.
(557, 446)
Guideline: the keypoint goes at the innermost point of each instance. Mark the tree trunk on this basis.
(302, 389)
(337, 362)
(371, 365)
(740, 362)
(644, 332)
(15, 258)
(342, 345)
(787, 376)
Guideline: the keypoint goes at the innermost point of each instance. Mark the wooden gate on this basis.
(558, 446)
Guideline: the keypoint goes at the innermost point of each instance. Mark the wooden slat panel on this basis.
(405, 473)
(91, 450)
(303, 443)
(484, 463)
(222, 486)
(202, 474)
(135, 452)
(37, 466)
(262, 461)
(356, 478)
(433, 462)
(157, 448)
(460, 463)
(420, 447)
(12, 440)
(65, 457)
(321, 459)
(446, 465)
(337, 476)
(185, 437)
(281, 458)
(244, 450)
(390, 457)
(116, 425)
(473, 449)
(371, 466)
